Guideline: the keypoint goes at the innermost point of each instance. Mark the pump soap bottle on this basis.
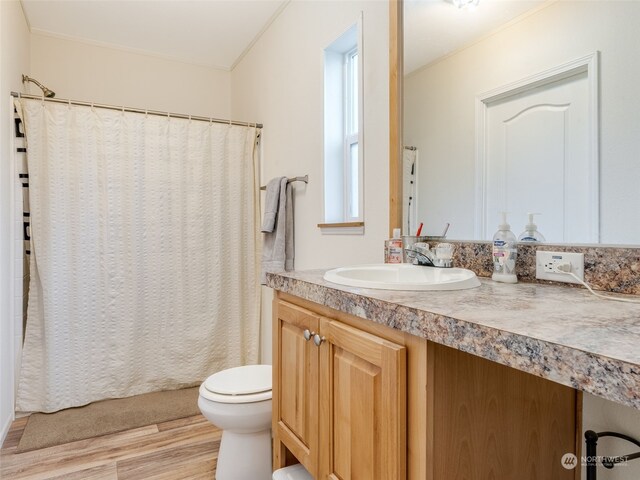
(505, 252)
(531, 233)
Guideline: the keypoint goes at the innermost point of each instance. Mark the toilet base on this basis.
(244, 456)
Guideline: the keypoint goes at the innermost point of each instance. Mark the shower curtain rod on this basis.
(135, 110)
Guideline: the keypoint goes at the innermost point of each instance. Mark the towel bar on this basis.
(304, 179)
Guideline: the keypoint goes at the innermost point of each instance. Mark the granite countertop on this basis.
(560, 333)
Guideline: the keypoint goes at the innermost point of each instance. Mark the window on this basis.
(343, 152)
(351, 137)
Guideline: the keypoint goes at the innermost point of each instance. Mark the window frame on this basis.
(343, 187)
(351, 136)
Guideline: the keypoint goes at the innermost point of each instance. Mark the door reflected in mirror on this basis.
(525, 107)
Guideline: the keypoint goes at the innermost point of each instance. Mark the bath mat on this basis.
(107, 416)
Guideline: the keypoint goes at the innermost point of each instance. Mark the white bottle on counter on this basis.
(505, 252)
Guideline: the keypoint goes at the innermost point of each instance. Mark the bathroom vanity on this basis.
(442, 385)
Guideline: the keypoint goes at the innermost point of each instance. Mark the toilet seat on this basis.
(251, 383)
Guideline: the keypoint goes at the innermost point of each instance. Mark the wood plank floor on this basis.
(177, 450)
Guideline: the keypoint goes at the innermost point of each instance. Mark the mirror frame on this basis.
(396, 60)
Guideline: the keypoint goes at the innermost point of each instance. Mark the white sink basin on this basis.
(403, 276)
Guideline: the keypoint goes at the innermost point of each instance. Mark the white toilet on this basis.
(294, 472)
(238, 401)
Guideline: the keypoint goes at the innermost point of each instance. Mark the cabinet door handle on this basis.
(317, 339)
(308, 334)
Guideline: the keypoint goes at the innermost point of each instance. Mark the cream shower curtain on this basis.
(145, 271)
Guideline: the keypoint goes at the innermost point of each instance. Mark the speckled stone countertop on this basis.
(559, 333)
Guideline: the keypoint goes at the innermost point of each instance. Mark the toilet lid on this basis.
(246, 380)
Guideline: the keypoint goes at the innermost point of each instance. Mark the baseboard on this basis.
(6, 425)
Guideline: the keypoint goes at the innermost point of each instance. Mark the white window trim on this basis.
(342, 214)
(351, 138)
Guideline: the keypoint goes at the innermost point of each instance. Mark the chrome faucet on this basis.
(421, 254)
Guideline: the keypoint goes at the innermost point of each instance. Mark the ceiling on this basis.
(215, 33)
(435, 28)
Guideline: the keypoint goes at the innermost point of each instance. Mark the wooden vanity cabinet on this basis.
(340, 396)
(373, 403)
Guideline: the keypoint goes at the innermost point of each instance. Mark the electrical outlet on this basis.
(546, 262)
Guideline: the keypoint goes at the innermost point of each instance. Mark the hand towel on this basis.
(278, 248)
(271, 201)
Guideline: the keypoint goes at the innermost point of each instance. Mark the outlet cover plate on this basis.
(545, 262)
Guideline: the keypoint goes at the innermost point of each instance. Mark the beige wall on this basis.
(440, 109)
(14, 61)
(81, 71)
(280, 83)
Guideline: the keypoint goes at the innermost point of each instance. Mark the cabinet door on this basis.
(362, 405)
(295, 393)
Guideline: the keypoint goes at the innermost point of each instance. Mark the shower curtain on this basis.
(145, 253)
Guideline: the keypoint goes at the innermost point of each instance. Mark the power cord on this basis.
(566, 269)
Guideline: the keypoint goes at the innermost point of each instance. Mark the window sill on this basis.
(346, 228)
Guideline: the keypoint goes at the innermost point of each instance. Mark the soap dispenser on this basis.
(505, 252)
(531, 233)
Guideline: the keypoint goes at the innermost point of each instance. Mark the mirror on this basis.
(523, 106)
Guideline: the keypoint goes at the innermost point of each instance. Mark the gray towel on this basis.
(271, 202)
(278, 248)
